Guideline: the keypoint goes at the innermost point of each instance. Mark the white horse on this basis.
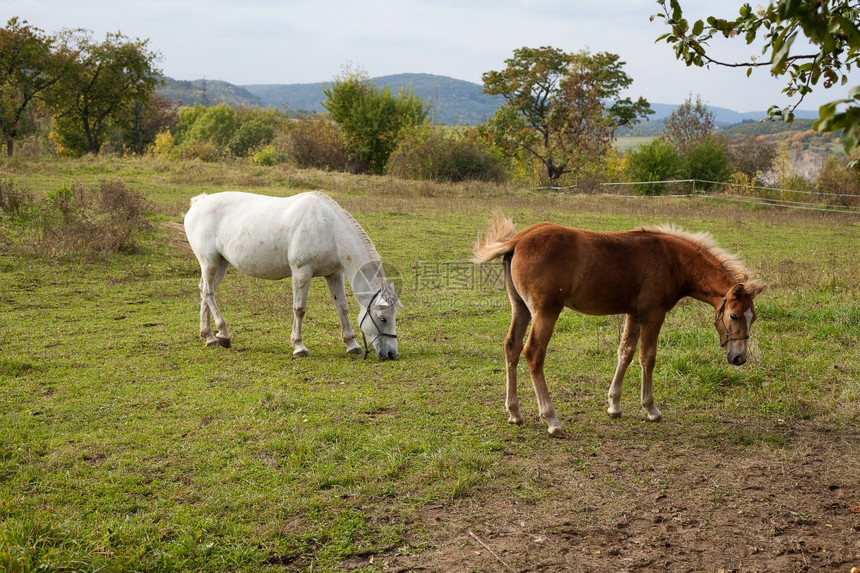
(304, 236)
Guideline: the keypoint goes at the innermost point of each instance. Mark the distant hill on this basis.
(452, 101)
(724, 117)
(208, 93)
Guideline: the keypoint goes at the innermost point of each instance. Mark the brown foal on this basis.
(641, 273)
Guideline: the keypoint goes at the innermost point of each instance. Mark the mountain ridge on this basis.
(451, 101)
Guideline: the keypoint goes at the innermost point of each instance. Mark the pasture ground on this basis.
(127, 445)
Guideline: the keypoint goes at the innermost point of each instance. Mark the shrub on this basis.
(202, 150)
(372, 119)
(838, 183)
(653, 161)
(265, 156)
(216, 125)
(164, 146)
(317, 144)
(76, 222)
(14, 203)
(740, 183)
(706, 161)
(250, 135)
(792, 185)
(428, 154)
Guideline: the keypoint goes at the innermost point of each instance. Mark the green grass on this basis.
(127, 445)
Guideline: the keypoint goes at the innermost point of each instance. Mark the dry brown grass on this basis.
(74, 221)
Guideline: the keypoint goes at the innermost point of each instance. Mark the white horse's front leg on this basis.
(301, 286)
(336, 288)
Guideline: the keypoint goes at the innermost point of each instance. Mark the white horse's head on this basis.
(378, 322)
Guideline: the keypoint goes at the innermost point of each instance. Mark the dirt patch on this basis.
(689, 500)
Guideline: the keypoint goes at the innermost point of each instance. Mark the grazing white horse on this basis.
(304, 236)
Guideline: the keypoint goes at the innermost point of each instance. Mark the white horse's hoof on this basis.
(301, 353)
(556, 432)
(223, 342)
(355, 351)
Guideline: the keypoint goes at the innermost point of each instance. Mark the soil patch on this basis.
(691, 501)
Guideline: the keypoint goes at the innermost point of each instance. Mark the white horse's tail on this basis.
(495, 241)
(197, 198)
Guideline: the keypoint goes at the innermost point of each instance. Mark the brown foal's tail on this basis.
(494, 243)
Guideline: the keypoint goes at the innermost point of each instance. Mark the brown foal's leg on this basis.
(626, 351)
(543, 323)
(520, 317)
(647, 357)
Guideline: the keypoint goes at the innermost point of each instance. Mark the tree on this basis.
(371, 119)
(98, 89)
(688, 125)
(829, 26)
(560, 108)
(157, 115)
(28, 67)
(750, 155)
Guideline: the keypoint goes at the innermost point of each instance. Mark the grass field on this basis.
(126, 445)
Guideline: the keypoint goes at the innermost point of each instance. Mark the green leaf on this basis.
(850, 30)
(780, 55)
(788, 8)
(698, 27)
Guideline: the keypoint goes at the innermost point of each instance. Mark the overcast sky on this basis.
(301, 41)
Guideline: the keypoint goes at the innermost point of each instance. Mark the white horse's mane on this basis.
(387, 292)
(706, 241)
(374, 255)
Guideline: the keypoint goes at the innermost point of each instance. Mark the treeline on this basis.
(81, 88)
(69, 95)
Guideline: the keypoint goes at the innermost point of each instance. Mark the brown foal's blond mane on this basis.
(705, 241)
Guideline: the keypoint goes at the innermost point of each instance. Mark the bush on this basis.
(216, 125)
(14, 204)
(792, 185)
(372, 120)
(202, 150)
(75, 222)
(250, 135)
(266, 157)
(428, 154)
(317, 144)
(164, 146)
(706, 161)
(653, 161)
(838, 183)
